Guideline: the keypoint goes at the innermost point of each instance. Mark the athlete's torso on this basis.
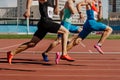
(67, 15)
(92, 13)
(46, 9)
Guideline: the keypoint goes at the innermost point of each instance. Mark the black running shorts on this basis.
(46, 26)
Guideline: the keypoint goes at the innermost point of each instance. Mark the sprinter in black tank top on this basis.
(46, 9)
(45, 25)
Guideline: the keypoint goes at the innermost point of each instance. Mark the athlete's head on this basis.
(95, 1)
(74, 1)
(43, 0)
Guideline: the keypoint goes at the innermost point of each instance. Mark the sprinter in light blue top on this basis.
(66, 20)
(67, 15)
(93, 12)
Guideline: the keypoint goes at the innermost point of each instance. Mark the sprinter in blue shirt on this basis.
(93, 12)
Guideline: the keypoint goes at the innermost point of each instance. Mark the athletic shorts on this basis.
(71, 28)
(46, 26)
(91, 25)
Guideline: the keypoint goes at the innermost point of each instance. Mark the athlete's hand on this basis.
(81, 16)
(27, 14)
(88, 1)
(99, 3)
(56, 10)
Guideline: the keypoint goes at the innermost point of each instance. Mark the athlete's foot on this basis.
(67, 57)
(45, 57)
(57, 59)
(9, 57)
(98, 48)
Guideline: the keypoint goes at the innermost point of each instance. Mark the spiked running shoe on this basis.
(57, 59)
(45, 57)
(67, 57)
(98, 48)
(9, 57)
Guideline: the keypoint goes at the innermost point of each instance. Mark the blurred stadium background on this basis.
(13, 22)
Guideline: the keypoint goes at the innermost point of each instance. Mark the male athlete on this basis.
(45, 25)
(93, 12)
(66, 20)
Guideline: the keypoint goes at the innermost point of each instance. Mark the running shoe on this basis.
(9, 57)
(67, 57)
(45, 57)
(57, 59)
(98, 48)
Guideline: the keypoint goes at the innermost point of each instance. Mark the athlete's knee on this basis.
(66, 31)
(109, 29)
(59, 41)
(56, 43)
(77, 41)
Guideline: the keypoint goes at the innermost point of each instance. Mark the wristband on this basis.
(79, 12)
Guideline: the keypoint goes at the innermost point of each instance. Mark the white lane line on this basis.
(9, 47)
(83, 45)
(62, 69)
(90, 51)
(40, 75)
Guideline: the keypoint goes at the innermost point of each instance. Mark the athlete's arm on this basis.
(61, 14)
(100, 10)
(56, 9)
(79, 5)
(71, 6)
(28, 5)
(86, 3)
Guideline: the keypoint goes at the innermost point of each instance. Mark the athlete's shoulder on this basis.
(69, 1)
(94, 8)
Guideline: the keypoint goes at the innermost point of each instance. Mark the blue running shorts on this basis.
(70, 27)
(89, 26)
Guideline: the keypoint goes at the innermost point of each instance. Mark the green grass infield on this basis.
(52, 36)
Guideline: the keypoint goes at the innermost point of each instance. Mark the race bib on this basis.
(95, 15)
(50, 12)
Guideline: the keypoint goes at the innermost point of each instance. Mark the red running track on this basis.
(88, 66)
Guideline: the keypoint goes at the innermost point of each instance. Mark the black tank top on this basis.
(46, 10)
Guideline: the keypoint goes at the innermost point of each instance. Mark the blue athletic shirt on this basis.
(92, 13)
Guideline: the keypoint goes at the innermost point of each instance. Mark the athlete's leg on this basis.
(77, 39)
(72, 37)
(64, 33)
(39, 35)
(97, 26)
(26, 45)
(22, 47)
(73, 43)
(52, 45)
(64, 55)
(105, 34)
(75, 34)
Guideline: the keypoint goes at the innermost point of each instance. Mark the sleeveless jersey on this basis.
(67, 15)
(93, 13)
(46, 10)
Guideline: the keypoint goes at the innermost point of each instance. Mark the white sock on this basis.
(99, 44)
